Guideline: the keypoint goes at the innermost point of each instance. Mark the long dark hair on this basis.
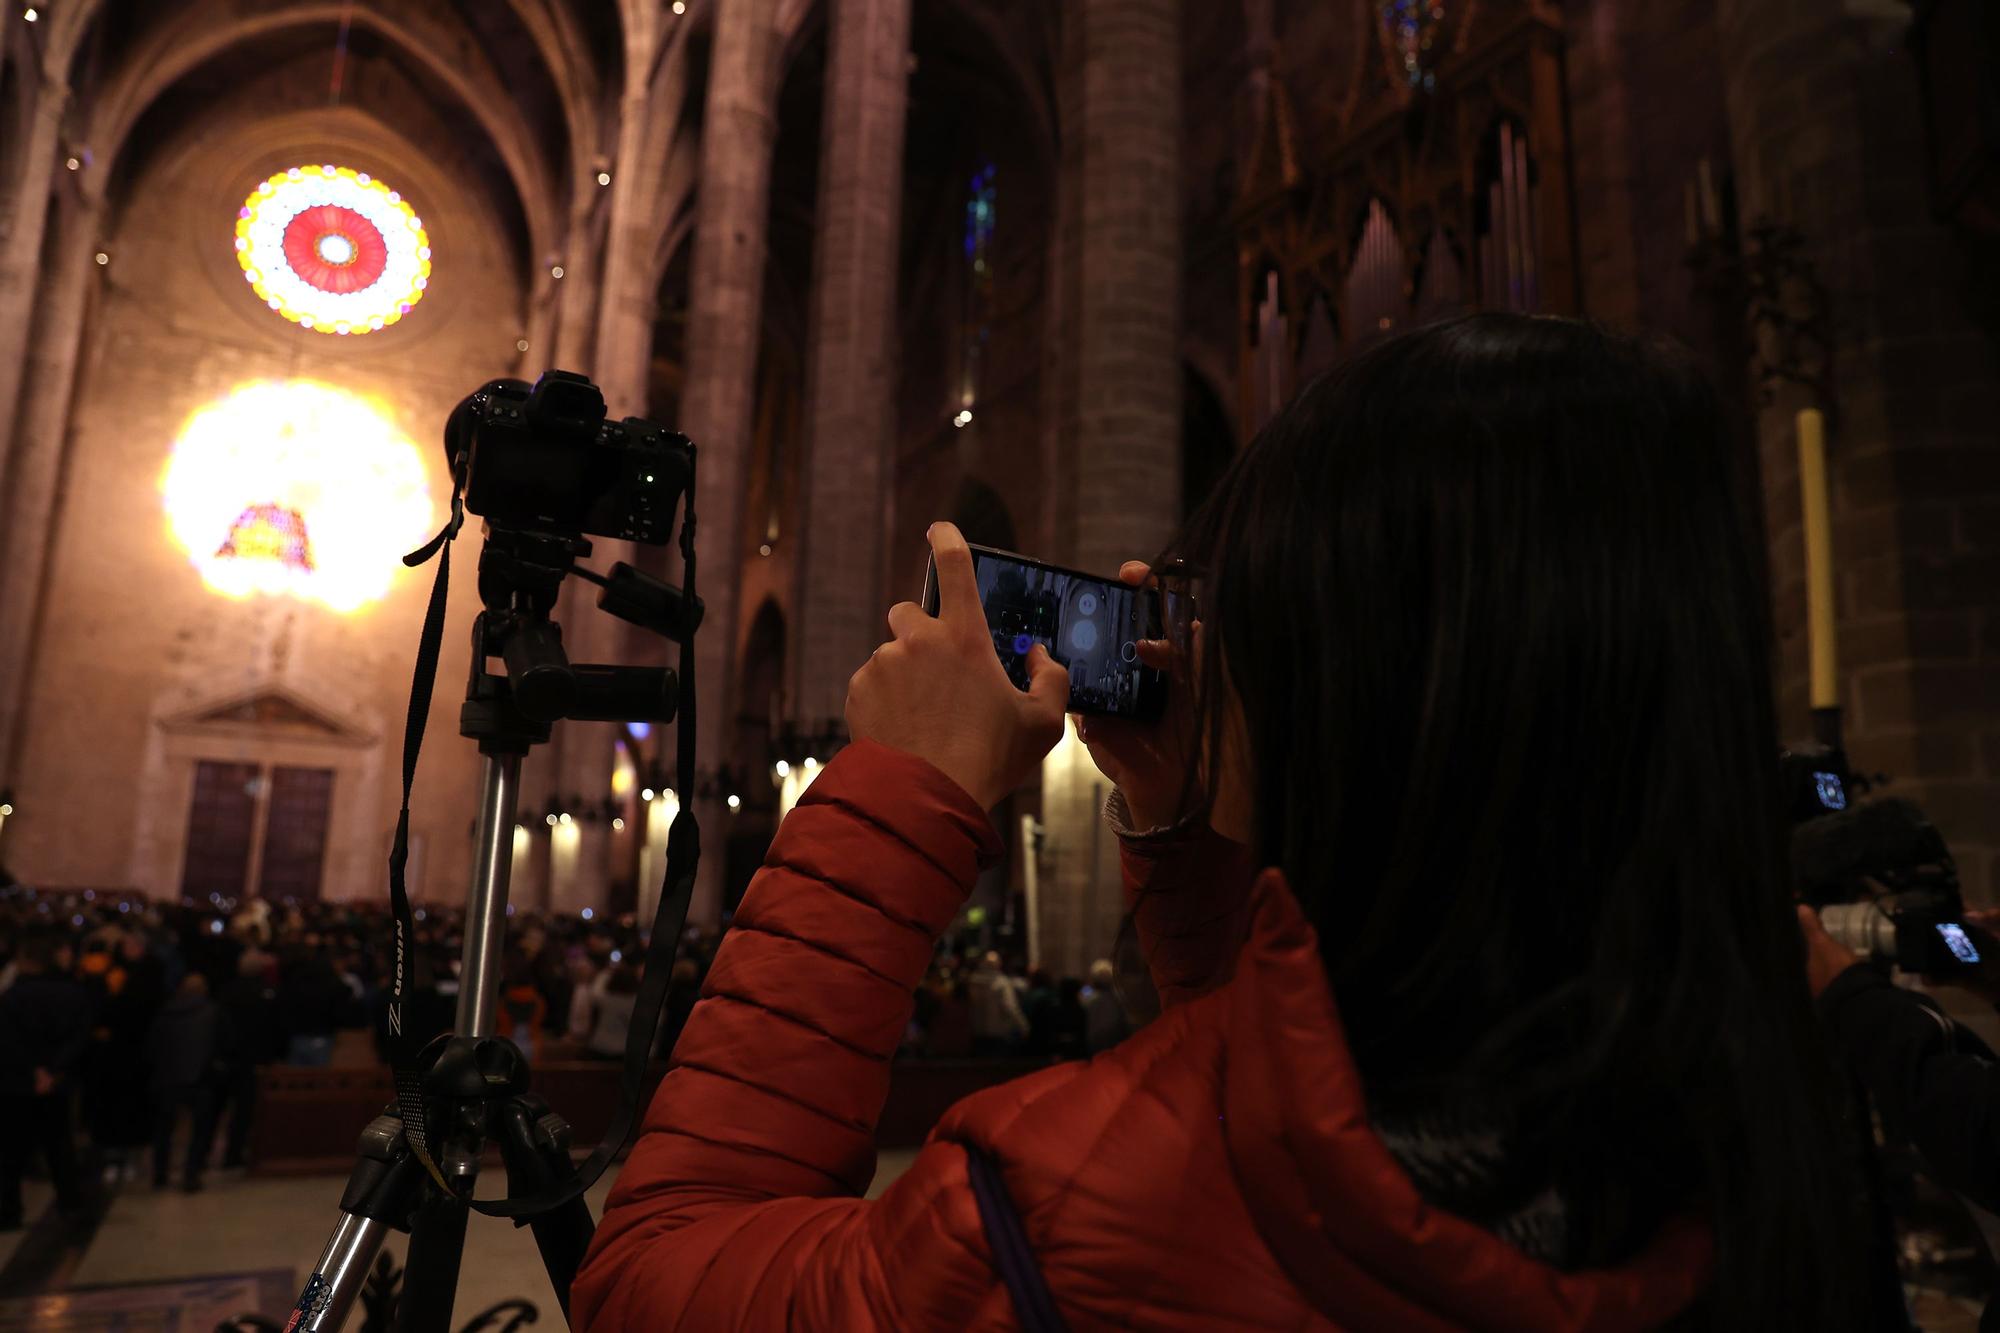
(1487, 598)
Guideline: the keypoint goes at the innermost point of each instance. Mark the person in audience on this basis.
(1104, 1023)
(117, 1080)
(186, 1048)
(612, 998)
(44, 1025)
(254, 1036)
(522, 1007)
(311, 1002)
(998, 1025)
(1459, 872)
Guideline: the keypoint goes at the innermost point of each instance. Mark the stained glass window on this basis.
(1414, 27)
(333, 249)
(980, 200)
(296, 489)
(269, 532)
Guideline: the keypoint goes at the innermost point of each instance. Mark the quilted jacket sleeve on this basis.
(1188, 890)
(739, 1204)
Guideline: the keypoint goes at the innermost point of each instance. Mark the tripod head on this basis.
(546, 469)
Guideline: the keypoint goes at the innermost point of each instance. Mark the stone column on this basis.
(581, 752)
(21, 254)
(29, 502)
(851, 408)
(1827, 133)
(725, 304)
(1121, 131)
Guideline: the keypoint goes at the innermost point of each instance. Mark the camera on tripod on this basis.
(1878, 873)
(547, 471)
(545, 459)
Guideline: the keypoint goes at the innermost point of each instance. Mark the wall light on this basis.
(556, 271)
(964, 417)
(735, 802)
(73, 164)
(604, 178)
(618, 825)
(30, 14)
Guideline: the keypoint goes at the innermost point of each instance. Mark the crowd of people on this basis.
(141, 1025)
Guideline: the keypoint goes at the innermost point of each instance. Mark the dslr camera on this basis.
(1878, 873)
(544, 459)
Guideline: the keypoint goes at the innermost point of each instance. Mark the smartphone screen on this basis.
(1958, 942)
(1091, 626)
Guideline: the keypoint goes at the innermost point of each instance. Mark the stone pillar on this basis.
(725, 304)
(851, 408)
(1121, 411)
(29, 502)
(625, 305)
(1827, 134)
(21, 253)
(581, 752)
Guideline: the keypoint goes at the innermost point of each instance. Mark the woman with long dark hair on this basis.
(1459, 873)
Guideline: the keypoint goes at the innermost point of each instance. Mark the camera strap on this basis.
(405, 1046)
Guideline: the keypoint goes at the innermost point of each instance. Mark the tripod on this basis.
(474, 1085)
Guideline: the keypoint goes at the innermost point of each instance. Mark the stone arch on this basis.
(201, 33)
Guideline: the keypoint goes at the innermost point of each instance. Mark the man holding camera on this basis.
(1932, 1080)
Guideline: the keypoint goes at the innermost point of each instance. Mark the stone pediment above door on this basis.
(271, 711)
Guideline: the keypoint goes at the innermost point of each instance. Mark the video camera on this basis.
(1877, 872)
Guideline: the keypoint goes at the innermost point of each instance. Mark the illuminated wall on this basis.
(238, 494)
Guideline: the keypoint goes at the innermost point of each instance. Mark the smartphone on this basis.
(1089, 625)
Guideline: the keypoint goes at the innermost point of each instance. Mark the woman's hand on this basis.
(1826, 957)
(937, 690)
(1147, 761)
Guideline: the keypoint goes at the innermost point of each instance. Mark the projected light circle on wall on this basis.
(333, 249)
(295, 488)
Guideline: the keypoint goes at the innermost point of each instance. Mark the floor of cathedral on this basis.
(161, 1261)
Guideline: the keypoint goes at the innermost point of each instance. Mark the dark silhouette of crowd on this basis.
(138, 1027)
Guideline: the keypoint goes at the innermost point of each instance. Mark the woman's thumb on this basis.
(1048, 683)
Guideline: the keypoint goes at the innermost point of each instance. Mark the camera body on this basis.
(545, 459)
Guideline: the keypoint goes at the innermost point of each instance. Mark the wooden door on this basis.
(295, 832)
(222, 821)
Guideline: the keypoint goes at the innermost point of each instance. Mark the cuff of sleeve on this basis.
(1118, 815)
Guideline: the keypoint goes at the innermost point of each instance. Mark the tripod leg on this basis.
(534, 1143)
(379, 1192)
(337, 1278)
(437, 1243)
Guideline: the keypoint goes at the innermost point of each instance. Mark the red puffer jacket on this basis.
(1217, 1170)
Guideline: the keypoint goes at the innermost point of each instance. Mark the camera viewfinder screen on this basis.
(1958, 942)
(1088, 625)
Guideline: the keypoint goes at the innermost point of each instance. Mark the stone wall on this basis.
(1828, 136)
